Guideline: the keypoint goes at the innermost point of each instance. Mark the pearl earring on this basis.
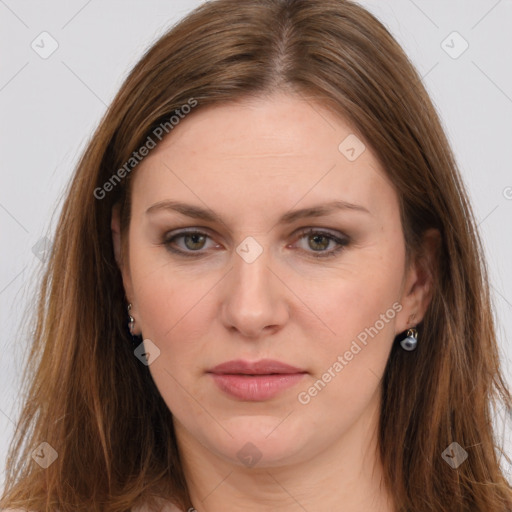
(411, 341)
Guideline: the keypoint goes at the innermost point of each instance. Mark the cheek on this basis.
(168, 307)
(174, 315)
(361, 308)
(353, 301)
(349, 364)
(174, 309)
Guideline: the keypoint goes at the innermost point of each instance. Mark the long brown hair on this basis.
(93, 401)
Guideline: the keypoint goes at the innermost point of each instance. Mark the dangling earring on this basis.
(411, 341)
(136, 339)
(131, 323)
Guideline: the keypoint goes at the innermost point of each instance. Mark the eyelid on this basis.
(340, 238)
(169, 237)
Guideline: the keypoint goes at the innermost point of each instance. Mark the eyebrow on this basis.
(205, 214)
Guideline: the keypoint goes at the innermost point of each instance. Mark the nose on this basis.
(255, 302)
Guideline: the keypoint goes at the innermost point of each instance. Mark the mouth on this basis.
(255, 381)
(261, 367)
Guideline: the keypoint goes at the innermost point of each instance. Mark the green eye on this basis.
(194, 241)
(320, 240)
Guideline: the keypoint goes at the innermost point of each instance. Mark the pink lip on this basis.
(257, 381)
(261, 367)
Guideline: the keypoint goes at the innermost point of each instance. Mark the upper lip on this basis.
(261, 367)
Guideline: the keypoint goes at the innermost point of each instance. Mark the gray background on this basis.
(50, 106)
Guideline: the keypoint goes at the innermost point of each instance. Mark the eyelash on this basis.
(342, 243)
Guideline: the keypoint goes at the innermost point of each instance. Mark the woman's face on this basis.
(250, 283)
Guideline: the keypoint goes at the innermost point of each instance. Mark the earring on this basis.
(411, 341)
(131, 323)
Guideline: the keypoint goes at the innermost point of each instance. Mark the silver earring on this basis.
(411, 341)
(131, 323)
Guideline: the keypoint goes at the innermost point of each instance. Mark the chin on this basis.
(263, 441)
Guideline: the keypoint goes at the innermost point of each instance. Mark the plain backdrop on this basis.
(51, 103)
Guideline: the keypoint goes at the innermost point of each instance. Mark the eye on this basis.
(319, 240)
(194, 242)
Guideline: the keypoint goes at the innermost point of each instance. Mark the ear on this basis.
(115, 226)
(419, 282)
(123, 263)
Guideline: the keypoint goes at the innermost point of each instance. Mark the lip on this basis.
(255, 381)
(261, 367)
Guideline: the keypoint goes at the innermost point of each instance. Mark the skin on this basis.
(250, 162)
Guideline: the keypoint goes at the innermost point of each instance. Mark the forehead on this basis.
(263, 153)
(281, 125)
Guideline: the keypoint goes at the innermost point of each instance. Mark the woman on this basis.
(266, 289)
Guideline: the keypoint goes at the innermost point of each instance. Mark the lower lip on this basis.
(255, 387)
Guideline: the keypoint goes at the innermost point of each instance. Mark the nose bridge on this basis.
(252, 301)
(250, 264)
(251, 276)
